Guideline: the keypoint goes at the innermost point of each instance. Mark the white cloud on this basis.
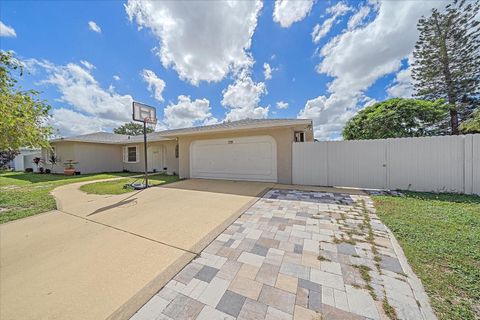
(267, 71)
(93, 108)
(201, 40)
(320, 31)
(287, 12)
(87, 64)
(368, 101)
(282, 105)
(242, 98)
(69, 122)
(402, 86)
(116, 77)
(357, 58)
(6, 31)
(329, 114)
(92, 25)
(359, 16)
(155, 84)
(187, 113)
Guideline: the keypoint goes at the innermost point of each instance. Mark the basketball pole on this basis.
(145, 150)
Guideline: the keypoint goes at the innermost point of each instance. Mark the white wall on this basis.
(440, 164)
(25, 160)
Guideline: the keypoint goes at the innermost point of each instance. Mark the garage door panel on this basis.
(248, 158)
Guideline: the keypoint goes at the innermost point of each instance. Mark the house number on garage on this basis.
(230, 141)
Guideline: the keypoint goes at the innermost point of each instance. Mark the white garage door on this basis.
(245, 158)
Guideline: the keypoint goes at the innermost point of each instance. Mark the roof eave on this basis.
(112, 142)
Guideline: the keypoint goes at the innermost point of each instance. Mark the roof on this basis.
(235, 125)
(113, 138)
(106, 137)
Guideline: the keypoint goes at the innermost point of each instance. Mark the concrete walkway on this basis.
(297, 255)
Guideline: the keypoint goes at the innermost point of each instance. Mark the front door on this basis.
(155, 158)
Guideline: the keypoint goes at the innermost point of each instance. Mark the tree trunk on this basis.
(445, 60)
(454, 121)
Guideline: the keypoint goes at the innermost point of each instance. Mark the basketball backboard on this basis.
(144, 113)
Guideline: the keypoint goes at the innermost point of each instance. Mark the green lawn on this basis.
(118, 186)
(26, 194)
(440, 235)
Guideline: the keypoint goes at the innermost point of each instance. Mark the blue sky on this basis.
(205, 62)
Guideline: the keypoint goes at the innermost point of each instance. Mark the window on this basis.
(130, 154)
(299, 136)
(176, 151)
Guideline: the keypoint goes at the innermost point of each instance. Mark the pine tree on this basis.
(447, 59)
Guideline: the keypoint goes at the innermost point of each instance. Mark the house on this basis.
(25, 159)
(252, 149)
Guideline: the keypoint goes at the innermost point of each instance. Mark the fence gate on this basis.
(439, 164)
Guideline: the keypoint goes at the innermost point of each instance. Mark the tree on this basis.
(6, 156)
(23, 116)
(447, 59)
(397, 118)
(131, 129)
(472, 125)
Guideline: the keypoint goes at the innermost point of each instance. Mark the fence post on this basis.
(468, 164)
(328, 162)
(387, 164)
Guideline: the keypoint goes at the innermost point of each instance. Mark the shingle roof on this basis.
(113, 138)
(234, 125)
(105, 137)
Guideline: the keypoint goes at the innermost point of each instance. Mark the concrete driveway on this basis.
(103, 257)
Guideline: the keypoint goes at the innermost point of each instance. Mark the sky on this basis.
(206, 62)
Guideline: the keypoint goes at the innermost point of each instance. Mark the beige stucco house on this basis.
(254, 150)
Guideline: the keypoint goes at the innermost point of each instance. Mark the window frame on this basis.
(302, 136)
(126, 154)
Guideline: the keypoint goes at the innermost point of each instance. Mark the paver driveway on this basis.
(297, 255)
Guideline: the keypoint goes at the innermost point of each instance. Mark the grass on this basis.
(389, 310)
(118, 186)
(440, 235)
(26, 194)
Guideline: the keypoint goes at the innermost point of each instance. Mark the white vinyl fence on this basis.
(439, 164)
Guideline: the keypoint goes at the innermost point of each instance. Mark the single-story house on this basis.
(25, 158)
(252, 149)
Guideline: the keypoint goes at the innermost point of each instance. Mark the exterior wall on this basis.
(25, 160)
(64, 150)
(284, 138)
(19, 163)
(101, 157)
(97, 157)
(91, 157)
(438, 164)
(171, 162)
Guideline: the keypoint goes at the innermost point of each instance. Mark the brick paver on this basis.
(295, 255)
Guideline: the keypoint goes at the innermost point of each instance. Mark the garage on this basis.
(243, 158)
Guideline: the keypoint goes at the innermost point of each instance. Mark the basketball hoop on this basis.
(148, 116)
(144, 113)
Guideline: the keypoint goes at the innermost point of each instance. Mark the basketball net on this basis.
(151, 123)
